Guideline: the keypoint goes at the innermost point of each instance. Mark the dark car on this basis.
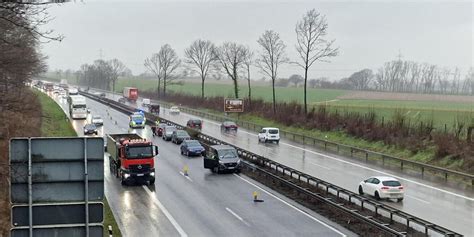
(168, 132)
(222, 158)
(90, 129)
(194, 123)
(159, 129)
(192, 147)
(179, 136)
(229, 126)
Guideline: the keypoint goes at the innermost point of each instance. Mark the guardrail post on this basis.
(366, 157)
(401, 165)
(446, 176)
(303, 140)
(325, 145)
(423, 173)
(352, 151)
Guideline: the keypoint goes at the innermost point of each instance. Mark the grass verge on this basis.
(56, 124)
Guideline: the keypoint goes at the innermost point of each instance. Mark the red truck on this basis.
(131, 158)
(130, 94)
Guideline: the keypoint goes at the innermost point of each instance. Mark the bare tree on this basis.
(231, 57)
(312, 45)
(117, 68)
(248, 61)
(153, 65)
(272, 55)
(201, 56)
(169, 62)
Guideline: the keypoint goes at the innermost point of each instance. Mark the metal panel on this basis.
(57, 214)
(47, 174)
(79, 231)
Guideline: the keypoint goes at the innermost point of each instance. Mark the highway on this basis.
(434, 201)
(201, 204)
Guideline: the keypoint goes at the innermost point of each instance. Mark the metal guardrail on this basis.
(256, 162)
(325, 144)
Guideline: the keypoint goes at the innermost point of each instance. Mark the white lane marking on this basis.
(165, 211)
(237, 216)
(186, 176)
(324, 167)
(418, 199)
(374, 170)
(292, 206)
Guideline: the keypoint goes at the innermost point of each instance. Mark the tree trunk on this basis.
(250, 90)
(274, 102)
(305, 95)
(202, 86)
(469, 133)
(159, 87)
(236, 86)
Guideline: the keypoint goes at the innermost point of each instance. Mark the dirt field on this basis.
(371, 95)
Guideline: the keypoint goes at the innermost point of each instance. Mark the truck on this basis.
(131, 158)
(48, 86)
(77, 107)
(130, 94)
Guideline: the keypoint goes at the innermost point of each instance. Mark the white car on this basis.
(97, 120)
(269, 135)
(382, 188)
(174, 110)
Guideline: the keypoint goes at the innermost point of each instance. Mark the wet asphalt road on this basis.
(202, 204)
(432, 200)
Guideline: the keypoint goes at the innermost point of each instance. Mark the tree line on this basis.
(230, 58)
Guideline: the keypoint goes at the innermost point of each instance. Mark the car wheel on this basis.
(361, 191)
(278, 141)
(215, 170)
(265, 140)
(377, 196)
(399, 199)
(182, 153)
(152, 181)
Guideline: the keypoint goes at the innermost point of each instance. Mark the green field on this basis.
(415, 111)
(264, 92)
(54, 123)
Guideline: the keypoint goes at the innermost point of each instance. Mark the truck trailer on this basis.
(130, 94)
(131, 158)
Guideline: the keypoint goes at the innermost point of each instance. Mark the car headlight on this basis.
(152, 174)
(238, 161)
(126, 176)
(220, 162)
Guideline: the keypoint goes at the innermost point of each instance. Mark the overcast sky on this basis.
(368, 33)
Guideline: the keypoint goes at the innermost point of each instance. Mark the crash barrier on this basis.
(343, 197)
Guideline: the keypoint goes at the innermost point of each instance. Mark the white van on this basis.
(269, 135)
(146, 102)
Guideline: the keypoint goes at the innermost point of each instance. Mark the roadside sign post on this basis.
(57, 186)
(233, 105)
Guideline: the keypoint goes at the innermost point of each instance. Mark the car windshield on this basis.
(193, 143)
(196, 121)
(391, 183)
(181, 133)
(79, 106)
(139, 151)
(229, 123)
(137, 117)
(273, 131)
(90, 126)
(96, 117)
(227, 153)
